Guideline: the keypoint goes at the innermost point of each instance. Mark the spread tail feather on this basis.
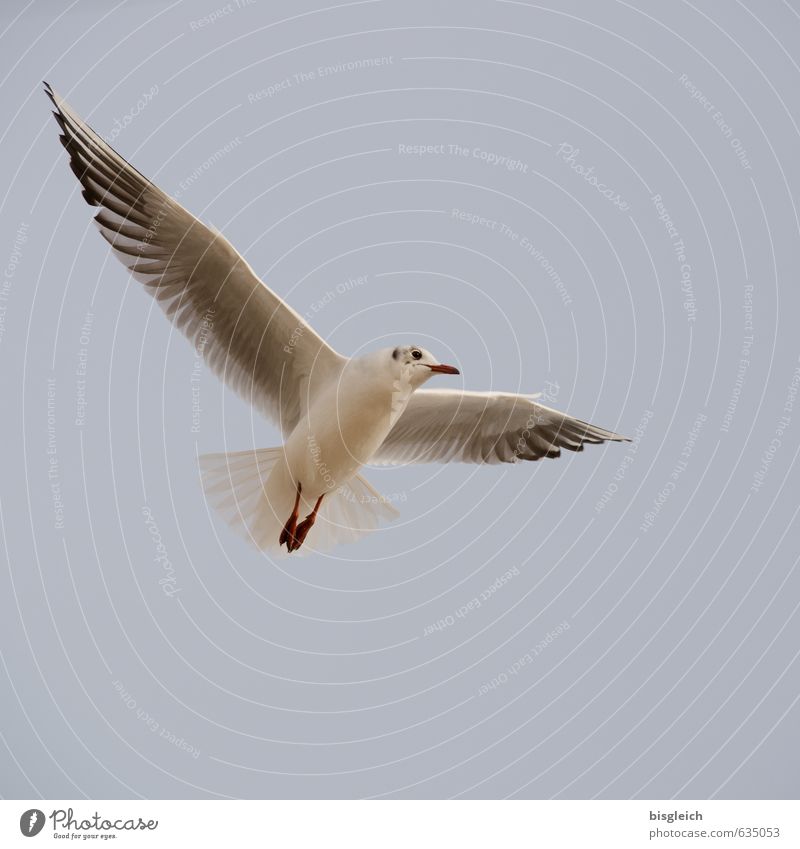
(234, 484)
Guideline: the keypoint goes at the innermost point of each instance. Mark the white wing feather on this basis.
(257, 344)
(446, 425)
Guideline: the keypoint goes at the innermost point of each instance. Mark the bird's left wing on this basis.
(447, 425)
(254, 341)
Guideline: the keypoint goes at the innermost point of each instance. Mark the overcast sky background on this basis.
(628, 177)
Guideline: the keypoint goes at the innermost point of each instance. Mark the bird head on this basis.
(418, 364)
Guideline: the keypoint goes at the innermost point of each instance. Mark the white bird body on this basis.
(336, 413)
(346, 423)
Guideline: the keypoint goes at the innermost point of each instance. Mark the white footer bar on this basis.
(407, 823)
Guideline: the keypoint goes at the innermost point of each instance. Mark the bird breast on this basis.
(343, 428)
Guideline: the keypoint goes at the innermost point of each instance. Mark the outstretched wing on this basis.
(447, 425)
(257, 344)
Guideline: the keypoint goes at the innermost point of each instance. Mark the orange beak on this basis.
(443, 369)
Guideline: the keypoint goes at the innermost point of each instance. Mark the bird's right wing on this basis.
(448, 425)
(254, 341)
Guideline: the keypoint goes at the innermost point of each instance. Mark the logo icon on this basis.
(31, 822)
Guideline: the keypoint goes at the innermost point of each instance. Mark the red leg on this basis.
(304, 527)
(288, 532)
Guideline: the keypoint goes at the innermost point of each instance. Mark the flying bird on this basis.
(336, 413)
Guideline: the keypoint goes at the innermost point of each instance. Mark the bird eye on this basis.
(417, 355)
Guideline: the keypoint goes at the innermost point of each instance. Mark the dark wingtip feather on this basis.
(91, 197)
(48, 90)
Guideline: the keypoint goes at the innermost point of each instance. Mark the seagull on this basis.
(336, 414)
